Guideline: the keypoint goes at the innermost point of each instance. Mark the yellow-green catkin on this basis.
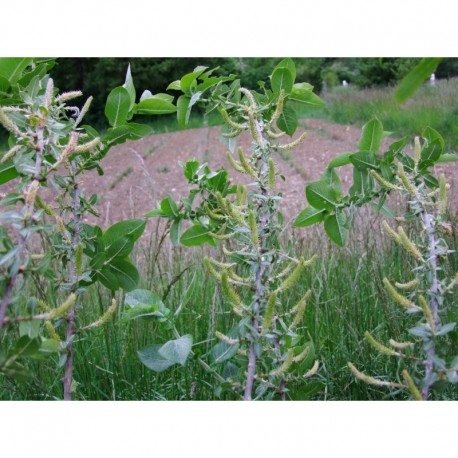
(406, 182)
(253, 129)
(274, 135)
(84, 110)
(231, 134)
(378, 346)
(253, 228)
(370, 380)
(303, 354)
(52, 331)
(249, 96)
(442, 194)
(63, 308)
(386, 184)
(391, 232)
(409, 285)
(11, 153)
(104, 318)
(246, 166)
(408, 244)
(310, 261)
(213, 215)
(226, 339)
(291, 280)
(279, 108)
(300, 309)
(234, 213)
(211, 270)
(66, 96)
(87, 146)
(293, 144)
(313, 370)
(426, 311)
(412, 387)
(235, 165)
(285, 365)
(271, 175)
(269, 313)
(228, 291)
(41, 204)
(241, 194)
(238, 127)
(399, 298)
(79, 259)
(221, 201)
(31, 194)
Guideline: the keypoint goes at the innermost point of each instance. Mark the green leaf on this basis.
(189, 80)
(117, 106)
(331, 177)
(174, 86)
(11, 68)
(433, 147)
(144, 303)
(282, 79)
(336, 228)
(190, 169)
(133, 229)
(142, 296)
(321, 196)
(287, 122)
(155, 106)
(223, 351)
(139, 131)
(7, 172)
(196, 235)
(309, 216)
(303, 94)
(447, 157)
(169, 207)
(364, 160)
(340, 160)
(289, 65)
(120, 248)
(125, 272)
(177, 351)
(175, 232)
(371, 136)
(183, 110)
(151, 358)
(129, 85)
(415, 78)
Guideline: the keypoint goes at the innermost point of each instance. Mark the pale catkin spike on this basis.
(104, 318)
(269, 313)
(313, 370)
(426, 311)
(87, 146)
(41, 204)
(221, 201)
(42, 305)
(253, 129)
(412, 387)
(220, 265)
(235, 165)
(406, 182)
(249, 96)
(453, 283)
(383, 182)
(290, 281)
(271, 175)
(293, 144)
(303, 354)
(230, 122)
(212, 214)
(399, 298)
(63, 308)
(371, 380)
(409, 245)
(49, 93)
(391, 232)
(66, 96)
(68, 150)
(241, 194)
(84, 110)
(273, 135)
(310, 261)
(228, 291)
(211, 270)
(300, 309)
(31, 193)
(279, 108)
(10, 154)
(37, 257)
(9, 125)
(221, 236)
(246, 166)
(79, 259)
(409, 285)
(378, 346)
(235, 214)
(417, 150)
(233, 276)
(231, 134)
(400, 345)
(287, 269)
(226, 339)
(285, 365)
(253, 228)
(442, 194)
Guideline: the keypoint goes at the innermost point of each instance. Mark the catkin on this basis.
(412, 387)
(269, 313)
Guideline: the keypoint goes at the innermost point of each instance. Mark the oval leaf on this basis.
(177, 351)
(309, 216)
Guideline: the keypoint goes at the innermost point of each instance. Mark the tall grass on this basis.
(348, 299)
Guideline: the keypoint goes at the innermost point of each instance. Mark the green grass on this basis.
(348, 299)
(435, 106)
